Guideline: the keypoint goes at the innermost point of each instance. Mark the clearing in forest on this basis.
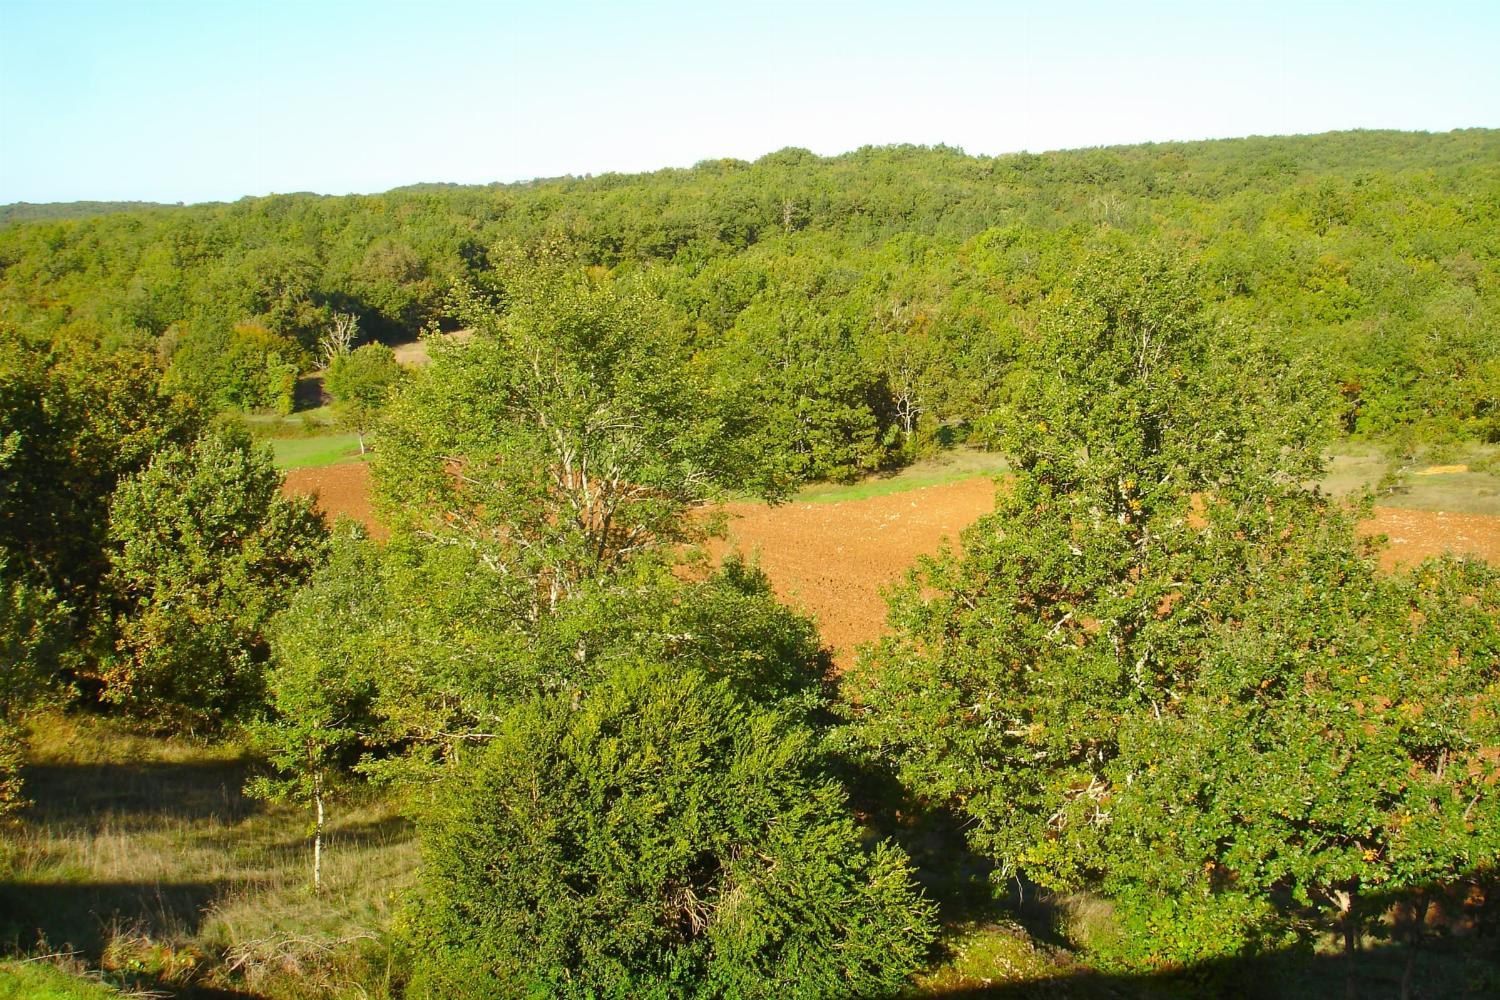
(833, 559)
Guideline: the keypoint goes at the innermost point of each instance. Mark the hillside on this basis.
(1372, 255)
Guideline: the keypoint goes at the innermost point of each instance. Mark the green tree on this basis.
(360, 383)
(1091, 682)
(32, 633)
(71, 427)
(244, 367)
(574, 433)
(321, 691)
(206, 550)
(658, 837)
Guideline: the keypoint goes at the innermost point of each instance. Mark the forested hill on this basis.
(888, 284)
(25, 211)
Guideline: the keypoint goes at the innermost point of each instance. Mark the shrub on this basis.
(658, 837)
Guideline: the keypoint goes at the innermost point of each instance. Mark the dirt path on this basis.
(833, 559)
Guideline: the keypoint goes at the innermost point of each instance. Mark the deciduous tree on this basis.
(206, 550)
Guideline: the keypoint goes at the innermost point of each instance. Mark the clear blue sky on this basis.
(186, 101)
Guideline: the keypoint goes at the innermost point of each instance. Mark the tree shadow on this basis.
(84, 917)
(1455, 925)
(1447, 972)
(85, 797)
(377, 833)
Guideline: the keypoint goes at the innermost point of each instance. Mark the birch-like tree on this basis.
(574, 433)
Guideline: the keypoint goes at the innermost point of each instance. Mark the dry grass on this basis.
(143, 857)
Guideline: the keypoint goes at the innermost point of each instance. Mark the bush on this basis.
(206, 551)
(659, 837)
(1151, 934)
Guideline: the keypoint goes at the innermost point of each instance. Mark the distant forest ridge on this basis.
(25, 211)
(1307, 157)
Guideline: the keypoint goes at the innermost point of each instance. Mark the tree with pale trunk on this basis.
(320, 688)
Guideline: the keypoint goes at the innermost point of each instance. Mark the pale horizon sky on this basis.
(168, 100)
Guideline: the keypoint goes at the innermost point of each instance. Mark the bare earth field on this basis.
(833, 559)
(340, 489)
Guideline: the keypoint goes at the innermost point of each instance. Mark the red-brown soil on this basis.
(339, 489)
(1416, 534)
(833, 559)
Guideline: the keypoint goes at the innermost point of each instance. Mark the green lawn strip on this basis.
(314, 452)
(950, 467)
(1472, 492)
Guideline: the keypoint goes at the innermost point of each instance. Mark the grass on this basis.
(1475, 491)
(142, 865)
(142, 858)
(946, 467)
(35, 980)
(315, 452)
(1421, 484)
(303, 423)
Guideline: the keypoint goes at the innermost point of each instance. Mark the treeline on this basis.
(874, 299)
(25, 211)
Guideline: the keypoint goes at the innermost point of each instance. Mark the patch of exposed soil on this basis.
(833, 559)
(339, 489)
(1416, 534)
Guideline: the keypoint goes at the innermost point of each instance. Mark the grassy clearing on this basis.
(315, 452)
(1466, 483)
(303, 423)
(947, 467)
(142, 858)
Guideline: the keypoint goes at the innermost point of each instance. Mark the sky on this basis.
(161, 100)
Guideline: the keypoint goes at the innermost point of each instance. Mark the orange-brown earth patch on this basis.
(1417, 534)
(833, 559)
(338, 489)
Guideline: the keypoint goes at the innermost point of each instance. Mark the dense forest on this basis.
(874, 300)
(1165, 676)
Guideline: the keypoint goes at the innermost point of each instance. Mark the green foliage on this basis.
(206, 551)
(321, 705)
(657, 838)
(823, 411)
(247, 367)
(12, 761)
(360, 382)
(1152, 672)
(1176, 933)
(33, 632)
(443, 646)
(573, 434)
(70, 428)
(1369, 253)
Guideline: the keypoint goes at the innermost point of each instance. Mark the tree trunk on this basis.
(361, 435)
(1414, 942)
(1346, 900)
(318, 836)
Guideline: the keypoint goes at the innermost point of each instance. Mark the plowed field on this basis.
(833, 559)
